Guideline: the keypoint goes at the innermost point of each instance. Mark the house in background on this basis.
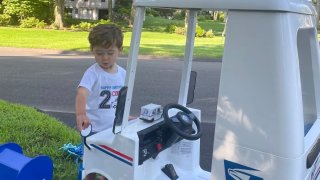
(88, 9)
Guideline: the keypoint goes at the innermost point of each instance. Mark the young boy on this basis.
(99, 87)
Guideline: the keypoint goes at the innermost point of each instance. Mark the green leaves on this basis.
(21, 9)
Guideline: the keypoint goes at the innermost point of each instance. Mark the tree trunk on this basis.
(225, 23)
(110, 10)
(318, 11)
(132, 13)
(215, 15)
(186, 19)
(58, 13)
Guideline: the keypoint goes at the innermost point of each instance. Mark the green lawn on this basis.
(37, 133)
(152, 43)
(43, 38)
(172, 45)
(159, 24)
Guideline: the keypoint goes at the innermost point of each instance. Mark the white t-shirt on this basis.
(103, 90)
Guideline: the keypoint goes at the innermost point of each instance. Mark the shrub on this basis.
(74, 27)
(201, 18)
(54, 26)
(199, 31)
(103, 21)
(152, 12)
(170, 28)
(38, 133)
(29, 22)
(179, 15)
(69, 21)
(85, 26)
(221, 17)
(209, 34)
(22, 9)
(5, 19)
(180, 30)
(41, 25)
(166, 13)
(204, 15)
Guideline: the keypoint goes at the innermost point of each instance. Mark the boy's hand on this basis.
(81, 117)
(82, 122)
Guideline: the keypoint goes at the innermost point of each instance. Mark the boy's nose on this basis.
(106, 56)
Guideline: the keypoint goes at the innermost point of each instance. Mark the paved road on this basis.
(47, 79)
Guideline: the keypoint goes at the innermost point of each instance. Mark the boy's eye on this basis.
(102, 53)
(98, 52)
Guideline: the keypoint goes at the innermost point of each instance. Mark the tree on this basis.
(59, 13)
(21, 9)
(110, 9)
(215, 15)
(132, 13)
(186, 19)
(318, 11)
(122, 10)
(225, 23)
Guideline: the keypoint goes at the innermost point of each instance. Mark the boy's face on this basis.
(106, 57)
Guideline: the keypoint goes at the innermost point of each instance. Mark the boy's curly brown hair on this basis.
(106, 35)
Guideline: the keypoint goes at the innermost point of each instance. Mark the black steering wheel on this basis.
(184, 118)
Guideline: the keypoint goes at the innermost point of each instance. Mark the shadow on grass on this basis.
(71, 52)
(77, 51)
(209, 52)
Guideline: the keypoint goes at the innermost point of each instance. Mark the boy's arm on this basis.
(80, 107)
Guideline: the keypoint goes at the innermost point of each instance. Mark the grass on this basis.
(37, 133)
(172, 45)
(154, 40)
(43, 38)
(157, 24)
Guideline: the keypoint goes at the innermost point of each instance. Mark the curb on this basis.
(13, 51)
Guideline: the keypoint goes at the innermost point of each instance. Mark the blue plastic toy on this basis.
(16, 166)
(77, 151)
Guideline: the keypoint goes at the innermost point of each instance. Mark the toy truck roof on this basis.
(151, 106)
(300, 6)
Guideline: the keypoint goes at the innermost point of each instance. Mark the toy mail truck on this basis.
(151, 112)
(267, 124)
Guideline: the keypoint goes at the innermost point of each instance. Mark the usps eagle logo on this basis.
(235, 171)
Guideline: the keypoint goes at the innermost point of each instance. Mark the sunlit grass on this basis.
(159, 24)
(37, 133)
(152, 43)
(163, 44)
(154, 40)
(43, 38)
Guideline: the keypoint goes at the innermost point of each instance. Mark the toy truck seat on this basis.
(15, 165)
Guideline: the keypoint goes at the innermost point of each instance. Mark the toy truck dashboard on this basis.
(155, 139)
